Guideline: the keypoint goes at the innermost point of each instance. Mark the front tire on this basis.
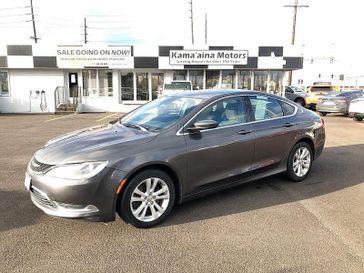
(148, 199)
(357, 118)
(299, 162)
(300, 101)
(323, 114)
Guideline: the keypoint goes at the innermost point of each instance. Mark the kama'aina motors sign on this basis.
(208, 57)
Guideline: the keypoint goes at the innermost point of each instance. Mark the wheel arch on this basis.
(309, 141)
(159, 166)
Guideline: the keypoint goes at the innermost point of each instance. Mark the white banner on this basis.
(89, 56)
(208, 57)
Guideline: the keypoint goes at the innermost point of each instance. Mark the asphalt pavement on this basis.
(271, 225)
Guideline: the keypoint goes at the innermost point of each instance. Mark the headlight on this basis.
(77, 170)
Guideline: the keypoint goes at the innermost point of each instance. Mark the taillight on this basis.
(322, 122)
(341, 101)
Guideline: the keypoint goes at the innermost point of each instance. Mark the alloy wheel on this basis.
(150, 199)
(301, 161)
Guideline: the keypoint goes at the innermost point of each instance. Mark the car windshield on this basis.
(178, 86)
(296, 89)
(161, 113)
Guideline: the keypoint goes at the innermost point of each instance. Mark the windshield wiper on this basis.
(136, 126)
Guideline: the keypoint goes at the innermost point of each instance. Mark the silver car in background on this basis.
(337, 102)
(356, 109)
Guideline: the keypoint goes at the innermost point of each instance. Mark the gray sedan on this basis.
(337, 102)
(171, 150)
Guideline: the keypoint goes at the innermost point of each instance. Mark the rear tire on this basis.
(148, 199)
(323, 114)
(299, 162)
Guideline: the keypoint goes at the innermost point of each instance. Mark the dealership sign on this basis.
(86, 56)
(208, 57)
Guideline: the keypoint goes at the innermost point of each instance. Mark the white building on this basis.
(39, 78)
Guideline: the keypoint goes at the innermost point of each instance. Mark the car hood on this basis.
(104, 142)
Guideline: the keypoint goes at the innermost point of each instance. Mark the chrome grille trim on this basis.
(39, 167)
(42, 198)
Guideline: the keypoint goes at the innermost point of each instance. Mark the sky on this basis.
(327, 27)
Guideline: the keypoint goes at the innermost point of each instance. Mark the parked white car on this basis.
(176, 86)
(356, 109)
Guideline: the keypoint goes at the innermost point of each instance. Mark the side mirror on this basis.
(203, 125)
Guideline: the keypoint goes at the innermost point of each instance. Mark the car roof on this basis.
(211, 93)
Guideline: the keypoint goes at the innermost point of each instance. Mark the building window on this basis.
(196, 78)
(142, 86)
(212, 79)
(228, 79)
(127, 86)
(244, 79)
(89, 82)
(4, 83)
(179, 75)
(275, 82)
(105, 83)
(97, 82)
(157, 84)
(260, 80)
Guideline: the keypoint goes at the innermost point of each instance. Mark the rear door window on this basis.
(264, 107)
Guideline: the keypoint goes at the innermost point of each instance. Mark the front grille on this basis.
(39, 167)
(41, 198)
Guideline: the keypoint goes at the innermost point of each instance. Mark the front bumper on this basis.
(94, 199)
(54, 208)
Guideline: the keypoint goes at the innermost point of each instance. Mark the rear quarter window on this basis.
(287, 108)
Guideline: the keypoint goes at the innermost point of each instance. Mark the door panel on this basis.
(218, 154)
(273, 142)
(223, 152)
(274, 132)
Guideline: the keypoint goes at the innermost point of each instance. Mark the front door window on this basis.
(225, 112)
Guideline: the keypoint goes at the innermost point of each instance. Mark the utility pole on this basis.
(295, 7)
(34, 37)
(206, 28)
(191, 17)
(84, 31)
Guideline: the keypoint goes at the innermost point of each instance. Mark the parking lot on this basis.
(270, 225)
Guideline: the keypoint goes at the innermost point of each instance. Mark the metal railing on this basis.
(61, 98)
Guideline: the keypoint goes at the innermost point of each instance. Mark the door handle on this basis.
(288, 124)
(245, 132)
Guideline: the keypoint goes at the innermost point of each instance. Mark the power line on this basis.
(15, 22)
(10, 8)
(109, 28)
(13, 15)
(109, 22)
